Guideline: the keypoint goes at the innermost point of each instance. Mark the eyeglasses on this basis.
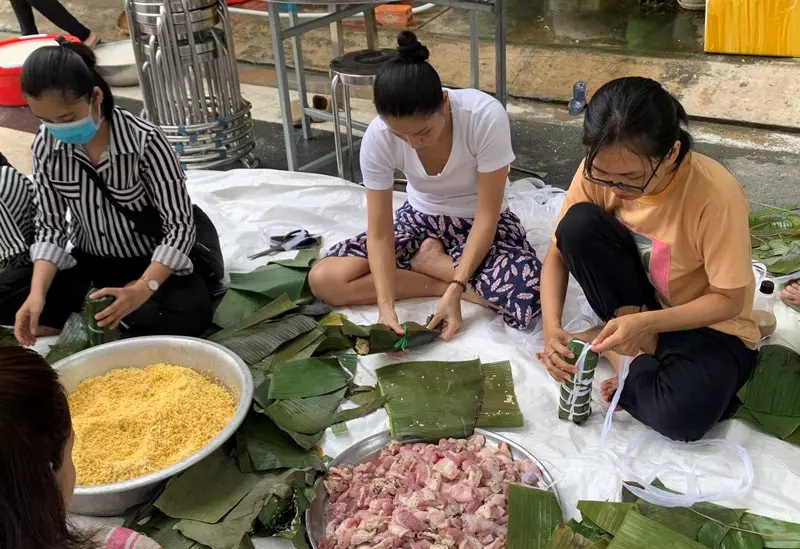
(623, 186)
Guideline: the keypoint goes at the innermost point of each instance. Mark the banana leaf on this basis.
(271, 280)
(257, 342)
(682, 520)
(562, 538)
(237, 305)
(334, 341)
(233, 529)
(73, 339)
(7, 338)
(777, 534)
(261, 392)
(608, 516)
(638, 531)
(499, 406)
(779, 426)
(533, 515)
(307, 378)
(207, 491)
(366, 409)
(271, 310)
(303, 260)
(265, 446)
(307, 416)
(302, 347)
(161, 529)
(586, 529)
(432, 400)
(377, 338)
(775, 382)
(316, 309)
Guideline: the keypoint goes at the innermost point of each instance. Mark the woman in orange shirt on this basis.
(657, 237)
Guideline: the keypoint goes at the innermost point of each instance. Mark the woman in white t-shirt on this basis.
(455, 237)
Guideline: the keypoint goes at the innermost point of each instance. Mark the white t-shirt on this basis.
(481, 144)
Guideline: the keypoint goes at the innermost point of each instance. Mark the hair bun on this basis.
(409, 49)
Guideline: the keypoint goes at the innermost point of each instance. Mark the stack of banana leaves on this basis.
(768, 401)
(535, 522)
(434, 400)
(775, 238)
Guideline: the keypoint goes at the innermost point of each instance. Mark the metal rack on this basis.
(189, 80)
(340, 10)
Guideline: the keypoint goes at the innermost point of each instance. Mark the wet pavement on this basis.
(546, 140)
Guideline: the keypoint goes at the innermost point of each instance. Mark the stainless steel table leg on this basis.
(474, 50)
(300, 75)
(337, 129)
(337, 34)
(500, 50)
(371, 28)
(348, 119)
(283, 84)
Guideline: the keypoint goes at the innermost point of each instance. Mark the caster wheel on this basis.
(250, 161)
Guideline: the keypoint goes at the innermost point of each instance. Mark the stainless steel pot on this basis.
(216, 361)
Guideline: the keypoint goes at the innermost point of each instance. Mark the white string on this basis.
(659, 496)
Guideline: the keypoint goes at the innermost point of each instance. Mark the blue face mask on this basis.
(79, 132)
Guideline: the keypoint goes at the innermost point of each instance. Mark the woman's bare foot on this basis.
(607, 390)
(93, 40)
(431, 260)
(791, 295)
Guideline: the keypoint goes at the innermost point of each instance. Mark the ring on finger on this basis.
(551, 353)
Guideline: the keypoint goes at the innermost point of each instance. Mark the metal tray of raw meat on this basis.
(365, 449)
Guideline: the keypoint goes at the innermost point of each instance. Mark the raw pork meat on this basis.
(450, 495)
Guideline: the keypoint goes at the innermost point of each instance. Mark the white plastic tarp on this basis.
(249, 205)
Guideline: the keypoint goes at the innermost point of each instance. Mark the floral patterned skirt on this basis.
(508, 277)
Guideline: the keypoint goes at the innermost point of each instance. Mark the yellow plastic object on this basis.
(753, 27)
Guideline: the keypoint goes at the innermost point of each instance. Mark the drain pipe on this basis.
(315, 15)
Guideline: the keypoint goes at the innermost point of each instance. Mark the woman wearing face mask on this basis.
(455, 237)
(657, 237)
(36, 469)
(108, 169)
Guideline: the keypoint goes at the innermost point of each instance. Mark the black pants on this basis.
(54, 11)
(182, 306)
(686, 387)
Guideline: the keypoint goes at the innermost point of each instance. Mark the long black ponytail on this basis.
(69, 68)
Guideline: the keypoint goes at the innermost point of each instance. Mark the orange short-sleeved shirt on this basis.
(691, 236)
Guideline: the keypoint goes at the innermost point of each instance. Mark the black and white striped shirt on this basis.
(16, 214)
(139, 168)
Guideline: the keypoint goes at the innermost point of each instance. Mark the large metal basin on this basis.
(216, 361)
(367, 448)
(116, 63)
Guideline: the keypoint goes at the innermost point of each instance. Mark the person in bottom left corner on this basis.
(37, 473)
(131, 222)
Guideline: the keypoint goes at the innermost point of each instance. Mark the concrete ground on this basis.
(546, 140)
(551, 44)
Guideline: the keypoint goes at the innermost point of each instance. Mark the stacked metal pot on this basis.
(190, 85)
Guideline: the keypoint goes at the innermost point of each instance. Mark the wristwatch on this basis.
(152, 284)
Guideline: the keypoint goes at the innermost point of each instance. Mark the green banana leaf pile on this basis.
(775, 238)
(769, 400)
(214, 505)
(535, 522)
(433, 400)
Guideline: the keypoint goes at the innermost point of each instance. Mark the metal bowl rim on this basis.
(383, 434)
(245, 400)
